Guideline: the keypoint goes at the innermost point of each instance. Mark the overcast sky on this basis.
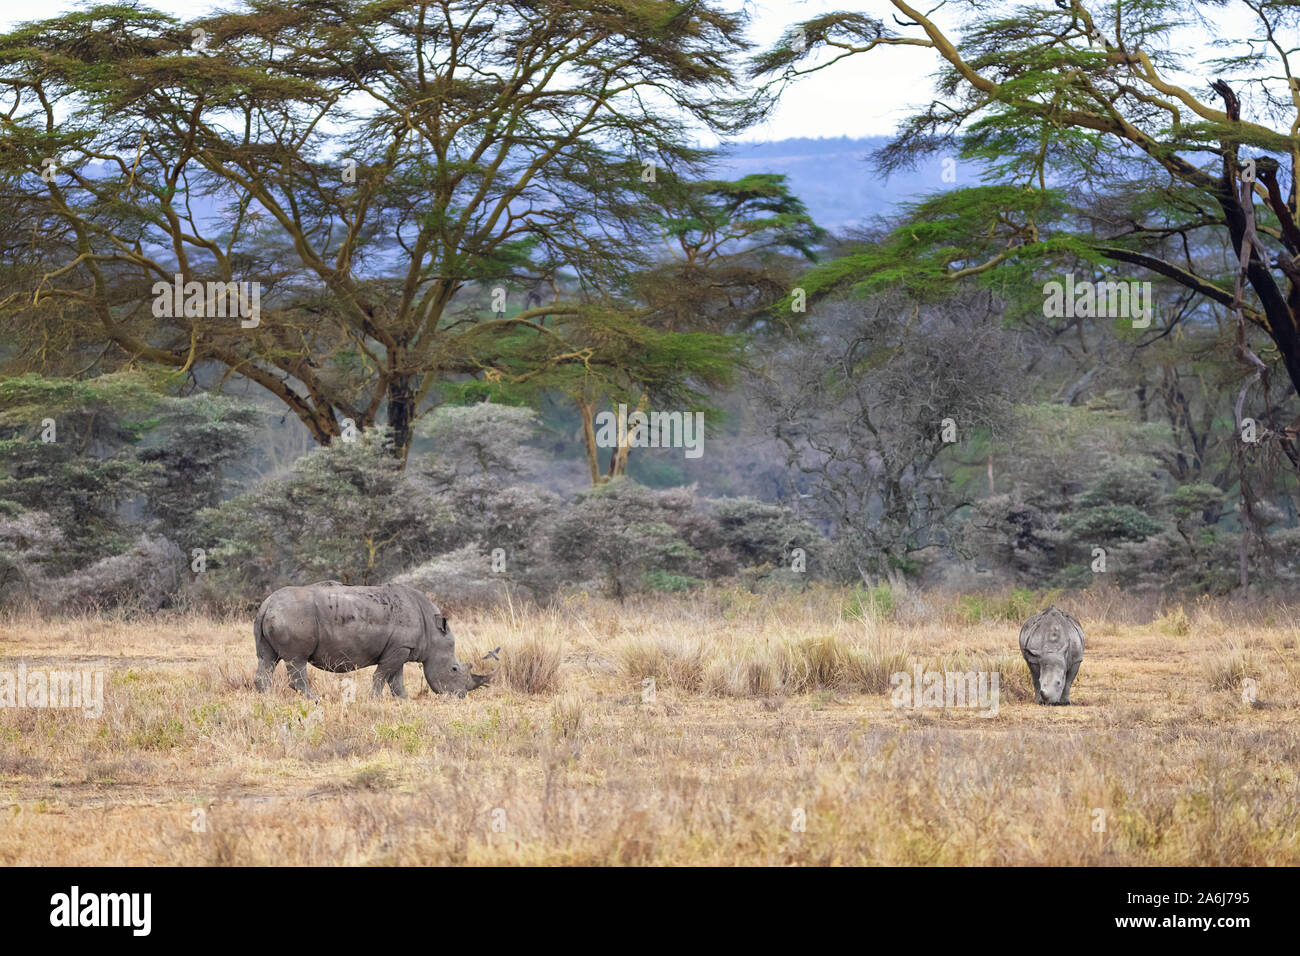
(861, 96)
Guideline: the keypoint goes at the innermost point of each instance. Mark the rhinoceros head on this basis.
(455, 678)
(445, 674)
(1051, 679)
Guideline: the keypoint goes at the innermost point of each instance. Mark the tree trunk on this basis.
(401, 413)
(588, 412)
(618, 460)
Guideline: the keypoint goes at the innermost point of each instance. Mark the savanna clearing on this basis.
(769, 738)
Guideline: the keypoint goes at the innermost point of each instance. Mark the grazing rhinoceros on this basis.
(340, 628)
(1052, 644)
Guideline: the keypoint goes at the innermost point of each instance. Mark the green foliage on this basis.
(1195, 499)
(1076, 449)
(1094, 154)
(936, 237)
(484, 439)
(657, 579)
(877, 602)
(712, 218)
(1111, 523)
(69, 536)
(111, 409)
(1013, 607)
(1125, 483)
(1081, 478)
(673, 368)
(1087, 479)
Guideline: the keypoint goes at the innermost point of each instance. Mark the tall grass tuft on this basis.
(531, 664)
(1228, 666)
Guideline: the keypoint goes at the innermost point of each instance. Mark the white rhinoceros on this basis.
(340, 628)
(1052, 644)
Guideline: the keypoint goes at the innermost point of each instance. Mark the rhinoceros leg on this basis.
(389, 671)
(265, 669)
(1069, 680)
(1038, 691)
(298, 678)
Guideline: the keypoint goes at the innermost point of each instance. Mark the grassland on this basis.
(769, 738)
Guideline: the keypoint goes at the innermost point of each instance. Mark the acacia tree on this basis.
(731, 250)
(367, 163)
(1099, 150)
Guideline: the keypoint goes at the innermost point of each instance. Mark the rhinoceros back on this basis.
(1052, 633)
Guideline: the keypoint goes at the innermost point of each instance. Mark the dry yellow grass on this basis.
(728, 729)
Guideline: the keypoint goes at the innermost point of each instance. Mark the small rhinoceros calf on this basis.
(340, 628)
(1052, 644)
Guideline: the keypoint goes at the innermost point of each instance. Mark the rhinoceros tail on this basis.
(265, 652)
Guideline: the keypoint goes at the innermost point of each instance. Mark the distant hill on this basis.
(836, 180)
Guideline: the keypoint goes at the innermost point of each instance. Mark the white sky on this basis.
(863, 95)
(860, 96)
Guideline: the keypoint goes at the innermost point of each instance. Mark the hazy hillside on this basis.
(835, 177)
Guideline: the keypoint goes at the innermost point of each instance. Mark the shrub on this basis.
(147, 578)
(615, 532)
(197, 437)
(760, 533)
(29, 541)
(1106, 524)
(346, 511)
(659, 580)
(459, 579)
(517, 519)
(85, 475)
(481, 440)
